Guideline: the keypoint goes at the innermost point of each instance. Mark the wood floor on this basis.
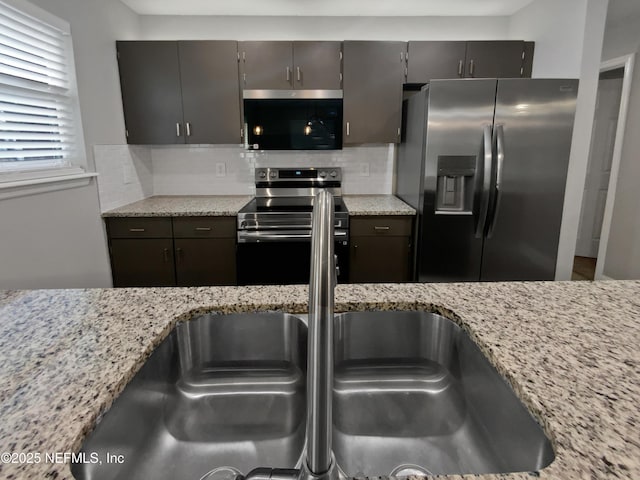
(583, 268)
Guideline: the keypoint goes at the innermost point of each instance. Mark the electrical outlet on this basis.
(221, 169)
(363, 169)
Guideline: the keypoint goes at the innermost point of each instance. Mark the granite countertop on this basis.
(214, 205)
(376, 205)
(183, 206)
(569, 349)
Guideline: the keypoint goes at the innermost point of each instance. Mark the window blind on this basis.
(37, 101)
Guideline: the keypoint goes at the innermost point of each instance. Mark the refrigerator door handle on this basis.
(486, 181)
(499, 169)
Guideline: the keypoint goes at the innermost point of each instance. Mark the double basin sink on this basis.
(413, 395)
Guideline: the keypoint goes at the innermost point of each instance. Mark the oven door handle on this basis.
(282, 236)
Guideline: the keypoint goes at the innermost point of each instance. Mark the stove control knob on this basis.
(334, 174)
(273, 175)
(263, 174)
(323, 174)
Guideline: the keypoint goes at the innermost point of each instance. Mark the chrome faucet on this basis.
(319, 463)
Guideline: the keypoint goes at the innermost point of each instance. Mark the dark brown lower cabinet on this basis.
(380, 249)
(183, 251)
(205, 261)
(137, 262)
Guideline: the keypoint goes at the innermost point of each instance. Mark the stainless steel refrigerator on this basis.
(484, 162)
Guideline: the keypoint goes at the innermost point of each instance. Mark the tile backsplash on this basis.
(227, 169)
(125, 174)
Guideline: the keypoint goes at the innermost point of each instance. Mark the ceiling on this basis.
(329, 7)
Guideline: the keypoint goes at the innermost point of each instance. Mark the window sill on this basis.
(21, 188)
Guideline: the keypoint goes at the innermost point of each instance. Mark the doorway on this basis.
(602, 169)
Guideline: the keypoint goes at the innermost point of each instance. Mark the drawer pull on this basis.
(136, 229)
(165, 252)
(203, 229)
(382, 228)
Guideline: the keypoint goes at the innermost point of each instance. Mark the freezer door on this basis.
(532, 138)
(459, 119)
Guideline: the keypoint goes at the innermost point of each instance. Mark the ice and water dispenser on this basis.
(455, 186)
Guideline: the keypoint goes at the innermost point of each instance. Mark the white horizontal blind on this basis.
(37, 93)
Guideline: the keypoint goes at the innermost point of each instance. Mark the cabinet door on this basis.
(317, 65)
(205, 261)
(380, 259)
(372, 85)
(266, 65)
(527, 61)
(142, 262)
(431, 60)
(494, 59)
(210, 91)
(150, 83)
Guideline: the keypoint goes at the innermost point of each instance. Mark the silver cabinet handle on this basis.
(244, 78)
(188, 128)
(347, 129)
(384, 228)
(472, 68)
(486, 181)
(165, 252)
(298, 74)
(499, 171)
(136, 229)
(177, 129)
(203, 229)
(288, 75)
(460, 67)
(179, 253)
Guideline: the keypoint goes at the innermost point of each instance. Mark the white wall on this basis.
(56, 240)
(323, 28)
(558, 30)
(622, 260)
(568, 38)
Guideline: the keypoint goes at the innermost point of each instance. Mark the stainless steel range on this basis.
(274, 229)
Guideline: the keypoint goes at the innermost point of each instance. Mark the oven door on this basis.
(282, 258)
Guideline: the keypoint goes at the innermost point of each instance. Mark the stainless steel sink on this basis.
(221, 390)
(413, 394)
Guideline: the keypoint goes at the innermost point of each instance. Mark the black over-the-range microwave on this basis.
(293, 123)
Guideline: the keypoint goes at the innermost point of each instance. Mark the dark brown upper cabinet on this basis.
(290, 65)
(317, 65)
(210, 91)
(180, 92)
(372, 85)
(478, 59)
(433, 60)
(494, 59)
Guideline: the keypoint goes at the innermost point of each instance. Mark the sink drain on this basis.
(222, 473)
(407, 469)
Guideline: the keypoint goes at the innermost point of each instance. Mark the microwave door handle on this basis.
(499, 172)
(487, 161)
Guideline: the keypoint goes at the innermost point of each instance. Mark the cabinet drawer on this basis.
(139, 227)
(204, 227)
(381, 225)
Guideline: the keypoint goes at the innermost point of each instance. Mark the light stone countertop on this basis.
(183, 206)
(215, 205)
(376, 205)
(570, 350)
